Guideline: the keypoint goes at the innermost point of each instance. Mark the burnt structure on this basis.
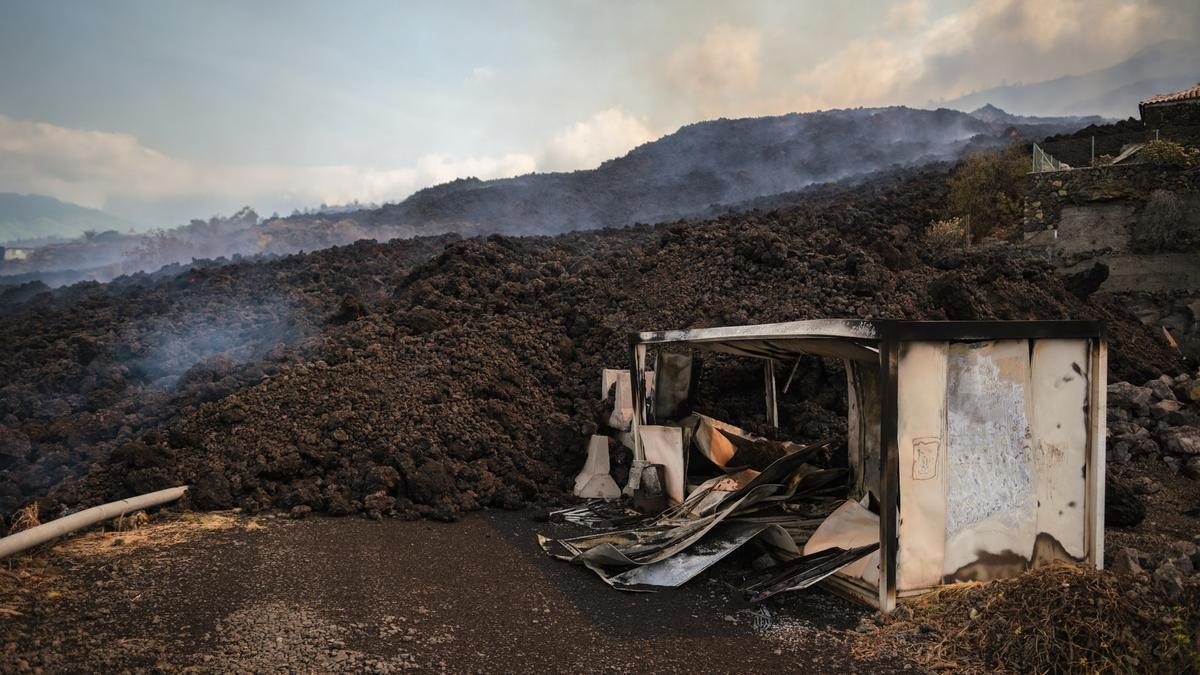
(976, 448)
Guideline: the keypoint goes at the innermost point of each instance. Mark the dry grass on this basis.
(136, 531)
(945, 234)
(25, 519)
(1060, 618)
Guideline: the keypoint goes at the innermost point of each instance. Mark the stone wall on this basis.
(1047, 193)
(1141, 223)
(1176, 113)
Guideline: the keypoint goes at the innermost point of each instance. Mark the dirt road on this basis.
(325, 595)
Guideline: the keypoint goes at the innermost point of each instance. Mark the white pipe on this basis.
(15, 543)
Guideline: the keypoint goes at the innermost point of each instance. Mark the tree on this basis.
(988, 191)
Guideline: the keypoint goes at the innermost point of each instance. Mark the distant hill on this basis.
(25, 217)
(707, 168)
(993, 115)
(709, 164)
(1111, 92)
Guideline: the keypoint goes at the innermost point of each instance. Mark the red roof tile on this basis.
(1185, 95)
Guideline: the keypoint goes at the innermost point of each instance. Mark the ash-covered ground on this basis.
(436, 376)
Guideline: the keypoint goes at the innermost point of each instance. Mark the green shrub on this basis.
(1170, 153)
(988, 189)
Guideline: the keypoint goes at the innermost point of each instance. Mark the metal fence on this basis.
(1043, 161)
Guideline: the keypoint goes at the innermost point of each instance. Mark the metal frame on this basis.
(886, 336)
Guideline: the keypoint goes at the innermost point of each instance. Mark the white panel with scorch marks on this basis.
(921, 432)
(991, 505)
(1059, 429)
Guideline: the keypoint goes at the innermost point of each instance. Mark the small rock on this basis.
(1127, 561)
(1169, 580)
(300, 511)
(1129, 397)
(1185, 549)
(1161, 390)
(1162, 409)
(1146, 485)
(1192, 468)
(1173, 464)
(1120, 452)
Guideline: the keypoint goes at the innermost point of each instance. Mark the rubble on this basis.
(470, 377)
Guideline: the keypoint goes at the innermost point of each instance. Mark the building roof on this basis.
(1185, 95)
(854, 339)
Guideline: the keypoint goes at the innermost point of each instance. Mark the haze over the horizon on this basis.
(161, 111)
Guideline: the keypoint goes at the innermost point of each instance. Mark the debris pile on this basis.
(780, 508)
(466, 382)
(1060, 618)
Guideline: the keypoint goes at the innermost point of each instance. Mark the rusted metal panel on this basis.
(921, 428)
(1059, 427)
(991, 509)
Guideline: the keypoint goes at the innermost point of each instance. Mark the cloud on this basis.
(481, 74)
(584, 145)
(982, 45)
(104, 169)
(724, 63)
(95, 168)
(908, 15)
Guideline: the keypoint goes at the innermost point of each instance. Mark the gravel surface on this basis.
(351, 595)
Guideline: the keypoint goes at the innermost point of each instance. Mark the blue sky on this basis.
(164, 110)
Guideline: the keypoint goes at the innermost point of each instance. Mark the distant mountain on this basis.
(709, 164)
(993, 115)
(702, 169)
(25, 217)
(1111, 92)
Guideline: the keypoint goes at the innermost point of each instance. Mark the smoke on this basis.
(203, 345)
(584, 145)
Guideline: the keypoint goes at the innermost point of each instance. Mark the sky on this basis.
(162, 110)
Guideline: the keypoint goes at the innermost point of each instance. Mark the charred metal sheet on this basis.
(818, 328)
(673, 378)
(599, 514)
(757, 502)
(851, 525)
(862, 427)
(681, 568)
(806, 571)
